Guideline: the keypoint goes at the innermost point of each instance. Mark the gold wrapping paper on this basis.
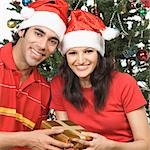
(71, 130)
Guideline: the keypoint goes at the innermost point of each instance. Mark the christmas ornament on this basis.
(122, 7)
(133, 5)
(146, 3)
(11, 23)
(26, 2)
(143, 12)
(142, 55)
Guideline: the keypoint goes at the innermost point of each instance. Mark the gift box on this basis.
(71, 130)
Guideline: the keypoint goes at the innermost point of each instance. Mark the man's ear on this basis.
(21, 33)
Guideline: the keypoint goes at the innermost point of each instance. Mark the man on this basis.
(24, 93)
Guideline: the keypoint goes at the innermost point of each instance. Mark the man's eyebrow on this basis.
(53, 37)
(40, 30)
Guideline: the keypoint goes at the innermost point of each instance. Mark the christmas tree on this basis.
(130, 50)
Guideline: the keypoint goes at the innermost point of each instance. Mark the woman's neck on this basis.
(85, 82)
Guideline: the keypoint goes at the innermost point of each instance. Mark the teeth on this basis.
(35, 52)
(82, 67)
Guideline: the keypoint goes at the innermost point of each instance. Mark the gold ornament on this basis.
(122, 7)
(11, 23)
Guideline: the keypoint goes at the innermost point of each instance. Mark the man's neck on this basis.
(25, 75)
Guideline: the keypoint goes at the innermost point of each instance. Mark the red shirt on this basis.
(21, 107)
(124, 96)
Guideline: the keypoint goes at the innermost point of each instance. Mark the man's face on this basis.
(37, 44)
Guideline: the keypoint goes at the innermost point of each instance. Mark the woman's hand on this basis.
(98, 142)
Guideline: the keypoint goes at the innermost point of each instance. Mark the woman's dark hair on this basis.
(100, 80)
(16, 36)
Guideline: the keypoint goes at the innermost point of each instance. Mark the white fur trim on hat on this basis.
(110, 33)
(83, 38)
(47, 19)
(27, 12)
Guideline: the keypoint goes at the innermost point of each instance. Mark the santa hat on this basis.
(86, 29)
(48, 13)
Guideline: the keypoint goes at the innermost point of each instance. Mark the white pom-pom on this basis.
(27, 12)
(110, 33)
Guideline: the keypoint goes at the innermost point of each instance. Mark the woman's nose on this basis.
(81, 58)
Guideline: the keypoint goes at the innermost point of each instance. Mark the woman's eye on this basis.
(88, 51)
(71, 53)
(53, 42)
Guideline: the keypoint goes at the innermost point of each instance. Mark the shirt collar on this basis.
(7, 56)
(8, 60)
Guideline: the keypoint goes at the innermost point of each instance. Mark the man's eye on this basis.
(53, 42)
(38, 34)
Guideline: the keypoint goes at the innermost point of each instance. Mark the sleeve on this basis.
(131, 96)
(57, 97)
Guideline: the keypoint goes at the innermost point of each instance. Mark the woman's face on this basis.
(82, 60)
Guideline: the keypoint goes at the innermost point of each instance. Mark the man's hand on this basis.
(42, 140)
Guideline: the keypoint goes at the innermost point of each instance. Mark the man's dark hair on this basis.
(16, 36)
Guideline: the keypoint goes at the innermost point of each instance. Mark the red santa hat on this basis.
(86, 29)
(48, 13)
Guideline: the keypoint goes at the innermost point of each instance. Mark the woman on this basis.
(91, 93)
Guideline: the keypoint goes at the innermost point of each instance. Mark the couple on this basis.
(104, 101)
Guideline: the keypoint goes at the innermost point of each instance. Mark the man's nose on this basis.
(43, 44)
